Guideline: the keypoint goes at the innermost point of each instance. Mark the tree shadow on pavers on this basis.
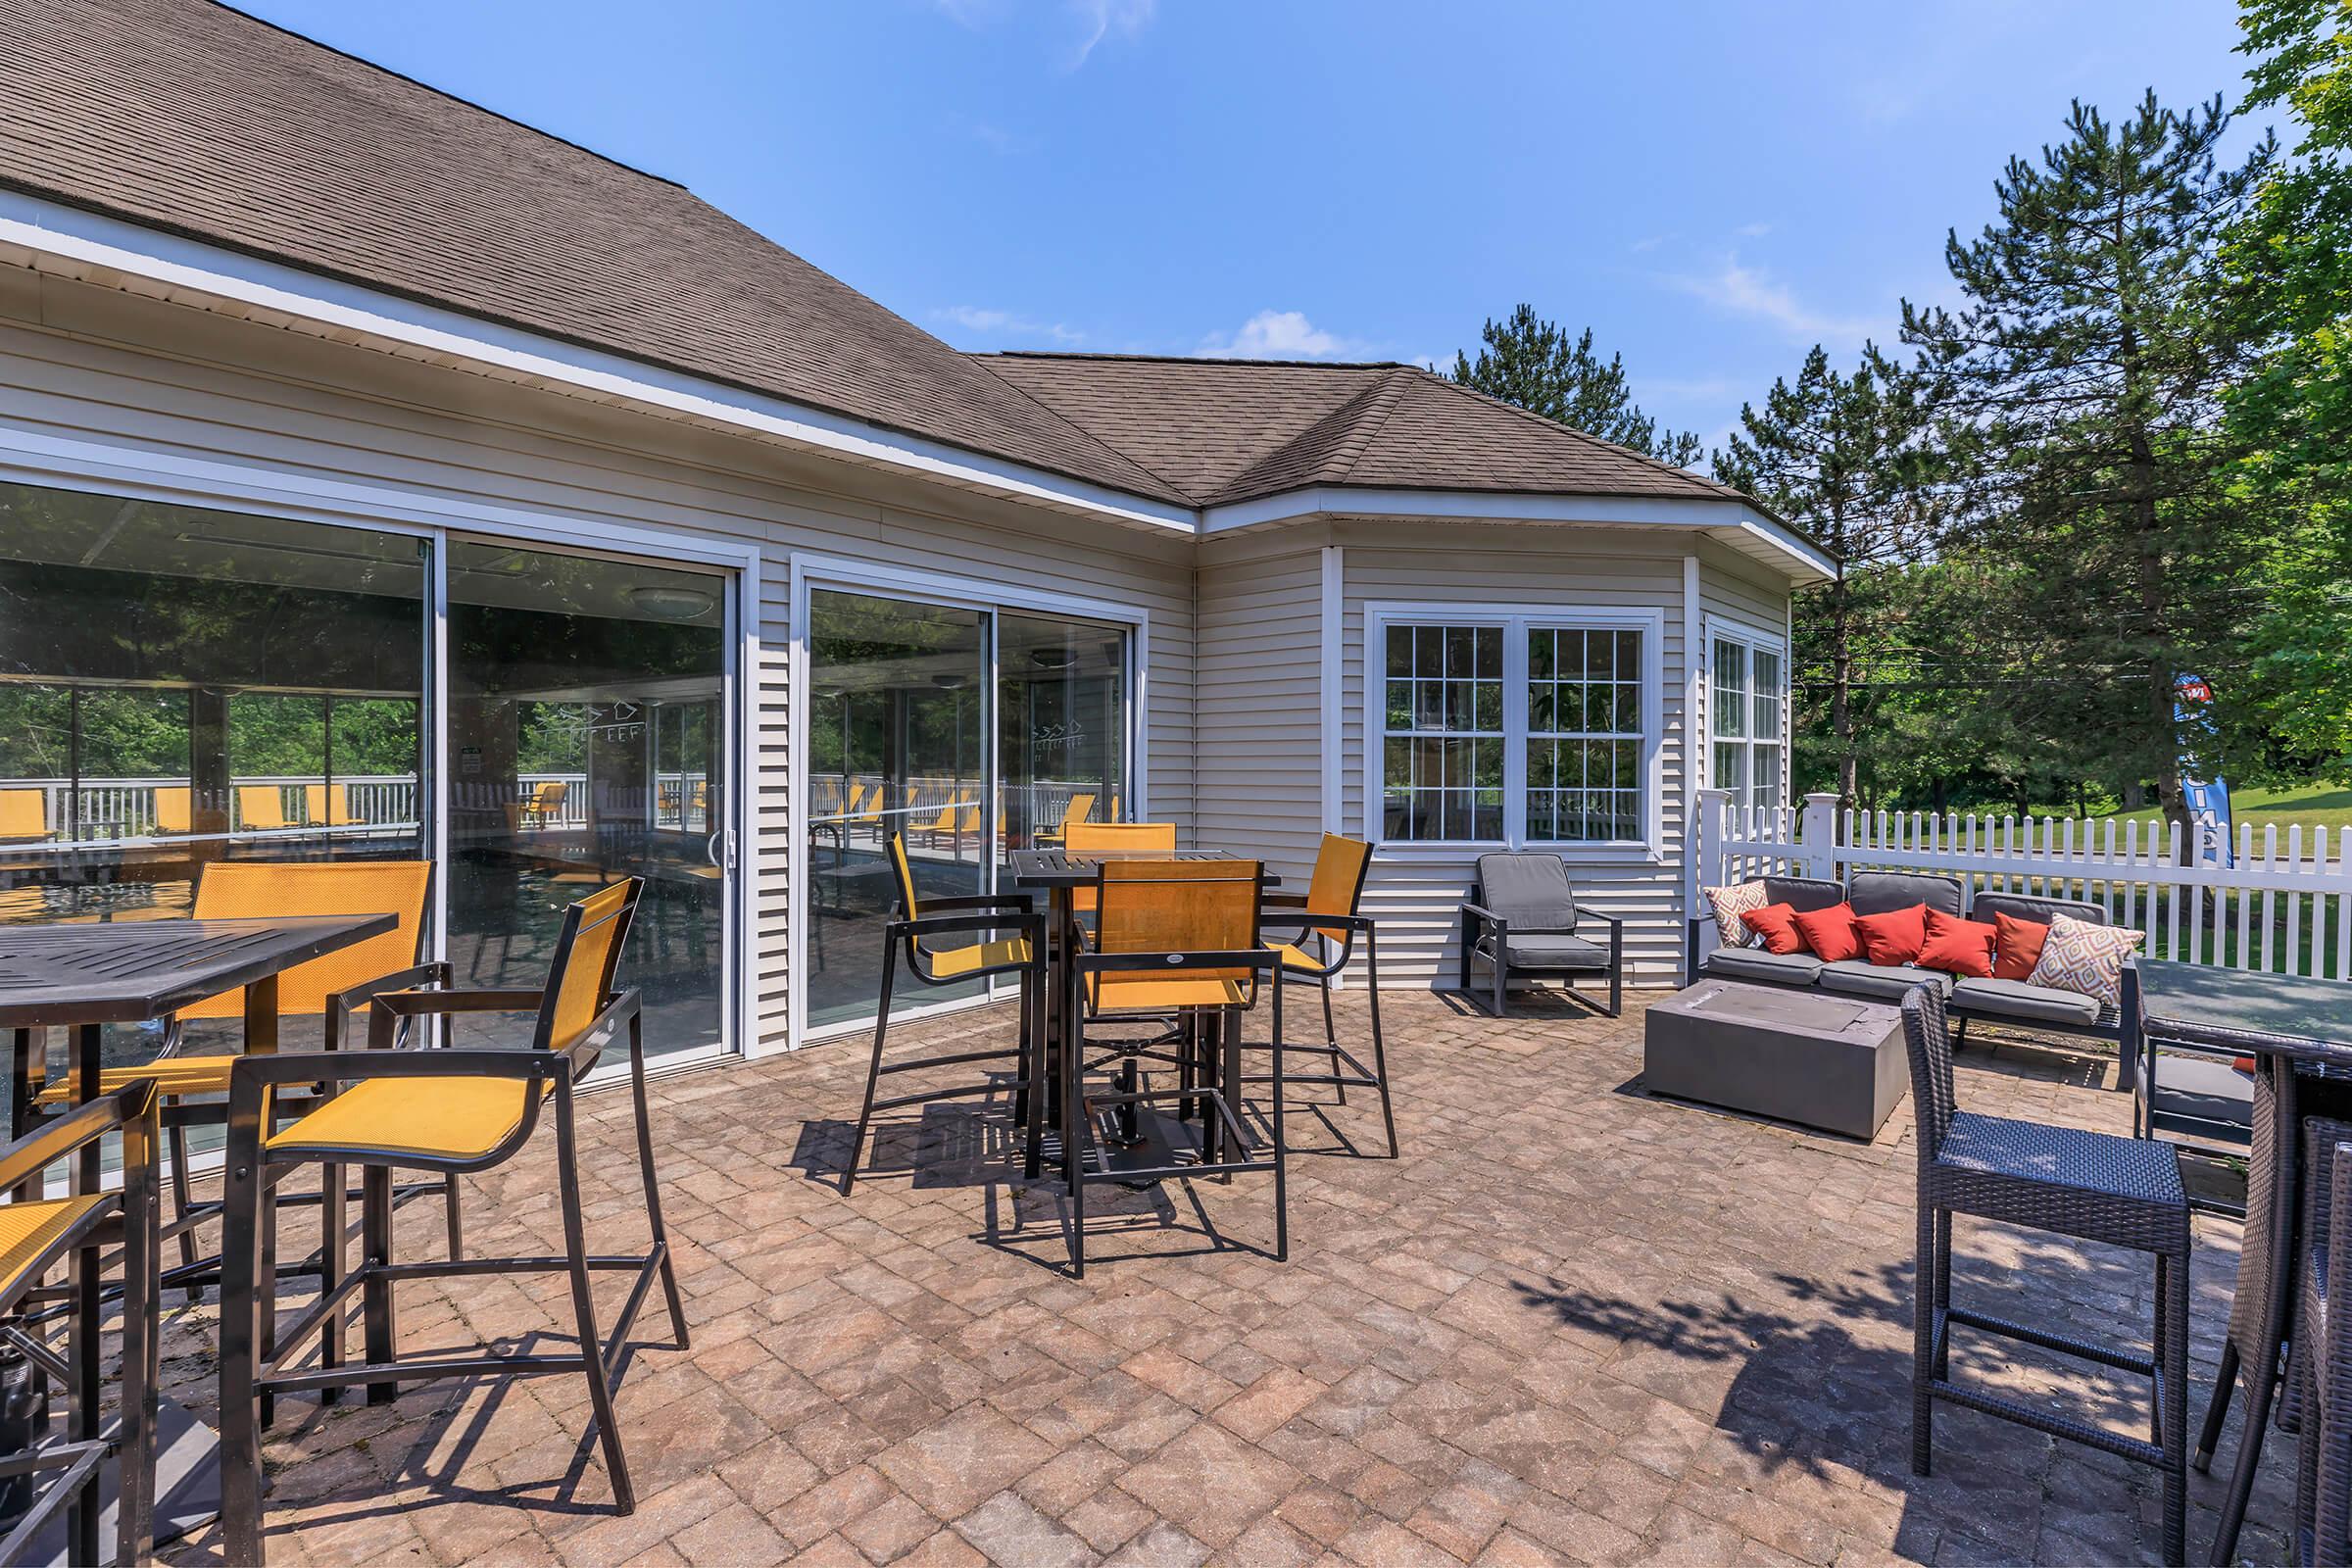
(1814, 1376)
(441, 1426)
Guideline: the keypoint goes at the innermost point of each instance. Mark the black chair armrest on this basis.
(1484, 915)
(1288, 918)
(343, 1004)
(983, 901)
(1025, 919)
(76, 1129)
(1283, 900)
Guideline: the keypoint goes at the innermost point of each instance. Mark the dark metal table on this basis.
(85, 976)
(1060, 874)
(2287, 1023)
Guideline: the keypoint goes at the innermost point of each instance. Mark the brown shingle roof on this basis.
(185, 115)
(1227, 430)
(199, 119)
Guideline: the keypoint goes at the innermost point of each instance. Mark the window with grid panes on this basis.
(1748, 719)
(1442, 739)
(1585, 774)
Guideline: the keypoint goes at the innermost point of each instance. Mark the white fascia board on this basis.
(55, 237)
(1736, 524)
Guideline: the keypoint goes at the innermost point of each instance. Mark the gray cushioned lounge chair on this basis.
(1520, 922)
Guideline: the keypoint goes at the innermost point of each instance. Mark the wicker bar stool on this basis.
(2094, 1187)
(2321, 1369)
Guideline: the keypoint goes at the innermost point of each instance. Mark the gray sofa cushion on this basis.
(2014, 998)
(1526, 888)
(2024, 907)
(2204, 1089)
(1856, 978)
(1803, 894)
(1884, 892)
(1770, 968)
(1555, 953)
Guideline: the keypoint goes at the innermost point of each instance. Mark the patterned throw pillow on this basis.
(1730, 904)
(2085, 958)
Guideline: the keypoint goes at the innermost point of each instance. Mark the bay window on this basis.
(1747, 704)
(1512, 727)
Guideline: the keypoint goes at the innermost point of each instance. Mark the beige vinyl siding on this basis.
(1259, 700)
(1413, 893)
(207, 388)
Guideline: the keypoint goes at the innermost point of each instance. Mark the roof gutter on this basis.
(68, 241)
(1735, 524)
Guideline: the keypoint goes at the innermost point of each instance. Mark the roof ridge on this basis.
(443, 92)
(1392, 396)
(1189, 358)
(1640, 457)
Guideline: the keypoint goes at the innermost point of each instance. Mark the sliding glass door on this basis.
(961, 730)
(584, 696)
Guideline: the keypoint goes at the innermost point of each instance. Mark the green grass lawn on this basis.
(2311, 804)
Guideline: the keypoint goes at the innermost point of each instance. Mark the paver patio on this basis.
(1571, 1324)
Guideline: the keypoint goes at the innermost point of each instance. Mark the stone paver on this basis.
(1571, 1324)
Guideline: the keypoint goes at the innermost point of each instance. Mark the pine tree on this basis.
(1530, 363)
(1845, 459)
(2088, 365)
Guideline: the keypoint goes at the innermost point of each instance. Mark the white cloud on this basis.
(1753, 230)
(1745, 291)
(1103, 18)
(1002, 324)
(1283, 336)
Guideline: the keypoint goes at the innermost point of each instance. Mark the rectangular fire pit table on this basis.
(1822, 1062)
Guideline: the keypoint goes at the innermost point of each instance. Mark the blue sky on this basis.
(1713, 187)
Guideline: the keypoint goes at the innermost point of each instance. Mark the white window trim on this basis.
(1514, 621)
(1755, 639)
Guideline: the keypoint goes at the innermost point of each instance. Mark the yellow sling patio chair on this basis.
(1324, 925)
(334, 988)
(81, 1231)
(911, 936)
(316, 802)
(260, 807)
(171, 814)
(446, 1112)
(1080, 808)
(1084, 837)
(23, 815)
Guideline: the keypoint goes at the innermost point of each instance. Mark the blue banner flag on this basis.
(2208, 800)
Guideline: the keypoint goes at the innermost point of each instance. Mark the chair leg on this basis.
(1073, 1138)
(331, 1226)
(2176, 1409)
(652, 1185)
(1379, 1049)
(2217, 1409)
(264, 1292)
(183, 1198)
(82, 1421)
(1925, 1268)
(134, 1515)
(379, 1312)
(455, 1218)
(874, 1075)
(1033, 1073)
(583, 1305)
(1944, 1284)
(2259, 1385)
(240, 1437)
(1281, 1194)
(1502, 981)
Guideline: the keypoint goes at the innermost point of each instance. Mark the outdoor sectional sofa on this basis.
(2005, 1002)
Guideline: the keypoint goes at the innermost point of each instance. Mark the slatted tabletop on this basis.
(1056, 868)
(128, 971)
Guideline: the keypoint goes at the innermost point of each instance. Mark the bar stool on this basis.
(910, 936)
(448, 1112)
(2320, 1357)
(1326, 921)
(2094, 1187)
(1181, 938)
(35, 1236)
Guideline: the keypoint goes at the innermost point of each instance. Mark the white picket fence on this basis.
(2283, 907)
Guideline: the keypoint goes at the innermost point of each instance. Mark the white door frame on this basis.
(811, 570)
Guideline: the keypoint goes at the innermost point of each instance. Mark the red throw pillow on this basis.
(1830, 932)
(1893, 938)
(1958, 946)
(1776, 923)
(2018, 946)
